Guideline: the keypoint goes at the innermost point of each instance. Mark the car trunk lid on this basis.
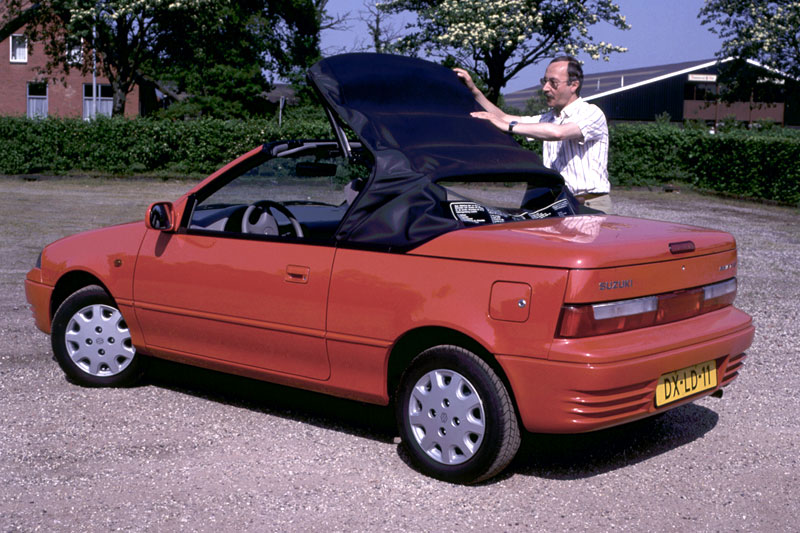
(580, 242)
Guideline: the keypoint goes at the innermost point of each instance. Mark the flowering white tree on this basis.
(766, 31)
(498, 38)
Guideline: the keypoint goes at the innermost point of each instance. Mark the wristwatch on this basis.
(511, 125)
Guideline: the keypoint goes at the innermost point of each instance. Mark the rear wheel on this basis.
(455, 416)
(91, 340)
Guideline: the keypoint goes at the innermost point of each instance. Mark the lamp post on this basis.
(94, 71)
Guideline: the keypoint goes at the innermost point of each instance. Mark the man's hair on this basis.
(574, 70)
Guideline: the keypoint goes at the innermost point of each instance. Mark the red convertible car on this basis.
(421, 259)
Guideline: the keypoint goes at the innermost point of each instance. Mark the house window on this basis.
(700, 91)
(19, 49)
(105, 101)
(37, 99)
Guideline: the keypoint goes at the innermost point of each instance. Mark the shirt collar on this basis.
(570, 108)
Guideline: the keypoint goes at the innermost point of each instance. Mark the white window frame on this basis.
(105, 104)
(11, 48)
(29, 99)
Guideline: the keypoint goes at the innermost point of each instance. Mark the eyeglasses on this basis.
(553, 82)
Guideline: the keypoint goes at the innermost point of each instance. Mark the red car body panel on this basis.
(581, 242)
(557, 397)
(235, 298)
(107, 254)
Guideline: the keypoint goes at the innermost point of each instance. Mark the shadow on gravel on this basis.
(562, 457)
(589, 454)
(356, 418)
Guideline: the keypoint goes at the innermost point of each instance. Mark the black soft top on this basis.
(413, 116)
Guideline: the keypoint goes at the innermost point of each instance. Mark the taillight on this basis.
(719, 295)
(587, 320)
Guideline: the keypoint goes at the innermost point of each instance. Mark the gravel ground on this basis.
(192, 450)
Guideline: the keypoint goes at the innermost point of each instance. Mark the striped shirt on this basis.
(582, 162)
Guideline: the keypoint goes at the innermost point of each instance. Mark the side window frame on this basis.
(29, 98)
(268, 153)
(24, 48)
(104, 103)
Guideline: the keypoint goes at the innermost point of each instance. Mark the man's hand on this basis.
(464, 76)
(498, 122)
(492, 109)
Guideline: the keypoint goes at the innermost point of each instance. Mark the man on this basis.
(574, 131)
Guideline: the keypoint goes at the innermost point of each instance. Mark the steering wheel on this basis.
(258, 218)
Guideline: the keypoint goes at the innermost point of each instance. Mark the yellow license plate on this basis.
(677, 385)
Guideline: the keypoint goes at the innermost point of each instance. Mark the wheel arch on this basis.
(68, 284)
(414, 342)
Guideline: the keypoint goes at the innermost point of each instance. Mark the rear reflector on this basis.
(623, 315)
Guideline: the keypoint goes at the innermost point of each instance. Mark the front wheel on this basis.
(91, 340)
(455, 416)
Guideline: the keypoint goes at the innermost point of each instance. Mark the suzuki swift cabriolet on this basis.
(422, 259)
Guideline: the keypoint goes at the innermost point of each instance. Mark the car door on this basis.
(222, 289)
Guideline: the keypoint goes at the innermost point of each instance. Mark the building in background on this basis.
(684, 91)
(25, 92)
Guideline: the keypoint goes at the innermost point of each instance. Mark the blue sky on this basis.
(663, 31)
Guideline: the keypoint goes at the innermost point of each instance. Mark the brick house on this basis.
(24, 93)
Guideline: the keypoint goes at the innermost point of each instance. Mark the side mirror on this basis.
(160, 216)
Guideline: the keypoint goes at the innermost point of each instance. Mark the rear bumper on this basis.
(38, 295)
(572, 397)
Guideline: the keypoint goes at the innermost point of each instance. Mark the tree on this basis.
(498, 38)
(328, 21)
(120, 32)
(214, 50)
(295, 45)
(211, 62)
(381, 32)
(765, 31)
(13, 20)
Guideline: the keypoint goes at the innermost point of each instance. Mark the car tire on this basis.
(455, 416)
(91, 341)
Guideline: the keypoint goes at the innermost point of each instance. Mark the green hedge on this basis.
(740, 162)
(123, 146)
(760, 165)
(645, 154)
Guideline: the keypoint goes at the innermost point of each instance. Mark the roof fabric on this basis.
(413, 116)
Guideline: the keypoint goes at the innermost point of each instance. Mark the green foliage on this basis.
(695, 125)
(124, 146)
(215, 57)
(747, 163)
(535, 105)
(210, 55)
(663, 118)
(767, 31)
(729, 123)
(651, 153)
(743, 164)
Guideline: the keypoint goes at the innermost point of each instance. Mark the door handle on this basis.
(297, 274)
